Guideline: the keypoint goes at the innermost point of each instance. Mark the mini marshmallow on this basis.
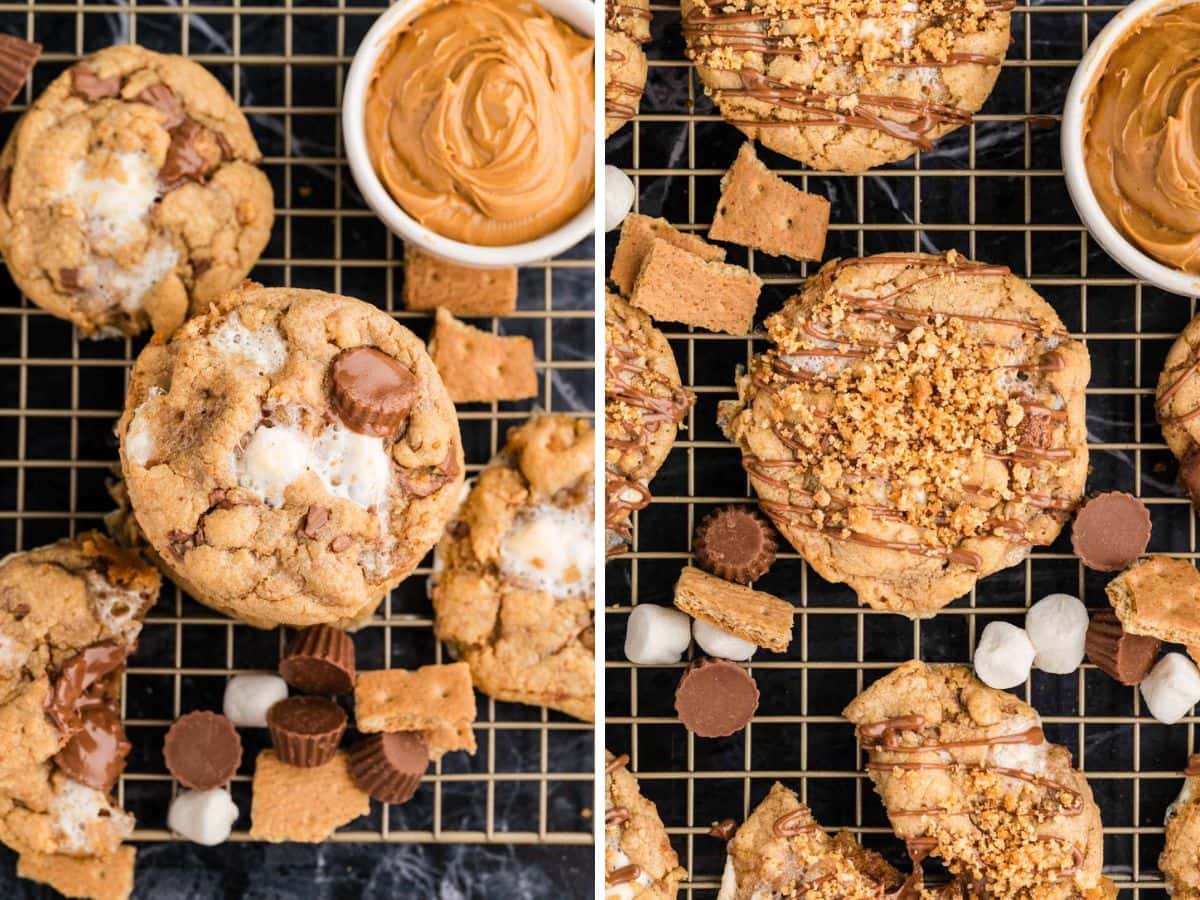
(203, 817)
(656, 635)
(1172, 688)
(1004, 655)
(248, 697)
(618, 197)
(721, 644)
(1057, 627)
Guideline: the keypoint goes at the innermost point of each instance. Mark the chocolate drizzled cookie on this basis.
(626, 28)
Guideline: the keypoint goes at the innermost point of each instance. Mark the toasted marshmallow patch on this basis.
(117, 608)
(128, 287)
(203, 817)
(656, 635)
(75, 807)
(550, 549)
(265, 348)
(275, 457)
(248, 697)
(139, 437)
(115, 198)
(1029, 758)
(12, 654)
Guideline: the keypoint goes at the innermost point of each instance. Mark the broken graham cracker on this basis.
(82, 876)
(752, 615)
(437, 701)
(681, 287)
(478, 367)
(638, 234)
(305, 805)
(1159, 597)
(759, 209)
(430, 283)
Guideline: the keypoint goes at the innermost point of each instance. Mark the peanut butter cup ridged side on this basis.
(916, 424)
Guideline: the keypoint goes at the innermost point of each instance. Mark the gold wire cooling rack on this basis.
(994, 191)
(531, 780)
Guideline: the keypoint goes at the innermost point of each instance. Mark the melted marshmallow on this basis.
(1029, 758)
(728, 881)
(117, 608)
(77, 806)
(128, 287)
(12, 654)
(115, 210)
(551, 550)
(139, 437)
(617, 859)
(264, 347)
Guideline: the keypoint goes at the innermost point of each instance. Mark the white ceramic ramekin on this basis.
(576, 13)
(1130, 257)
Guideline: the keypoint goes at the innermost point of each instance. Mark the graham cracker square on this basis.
(431, 283)
(305, 805)
(478, 367)
(681, 287)
(638, 234)
(430, 698)
(759, 209)
(752, 615)
(82, 876)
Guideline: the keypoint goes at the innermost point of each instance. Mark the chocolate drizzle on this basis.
(623, 875)
(617, 762)
(792, 823)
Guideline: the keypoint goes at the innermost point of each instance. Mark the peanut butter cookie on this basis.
(130, 193)
(289, 455)
(966, 775)
(639, 861)
(917, 425)
(1177, 405)
(513, 587)
(626, 28)
(1180, 859)
(849, 84)
(644, 404)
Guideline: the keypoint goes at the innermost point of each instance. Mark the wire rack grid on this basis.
(531, 780)
(994, 191)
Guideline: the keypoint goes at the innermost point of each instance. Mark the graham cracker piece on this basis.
(752, 615)
(436, 700)
(1159, 597)
(638, 234)
(759, 209)
(305, 805)
(84, 877)
(478, 367)
(430, 283)
(681, 287)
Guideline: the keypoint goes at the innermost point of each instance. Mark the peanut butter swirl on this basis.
(1142, 138)
(479, 121)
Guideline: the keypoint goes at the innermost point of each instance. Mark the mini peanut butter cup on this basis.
(320, 660)
(372, 393)
(306, 731)
(1126, 657)
(716, 698)
(1111, 531)
(202, 750)
(735, 543)
(389, 767)
(17, 58)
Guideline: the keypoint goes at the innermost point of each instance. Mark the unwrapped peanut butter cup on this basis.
(17, 58)
(716, 698)
(371, 392)
(735, 543)
(320, 660)
(95, 754)
(202, 750)
(1126, 657)
(306, 731)
(1111, 531)
(389, 767)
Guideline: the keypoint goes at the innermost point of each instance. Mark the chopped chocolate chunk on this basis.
(723, 830)
(1035, 430)
(181, 542)
(200, 266)
(21, 610)
(164, 100)
(5, 183)
(320, 660)
(716, 698)
(372, 392)
(17, 58)
(76, 678)
(389, 767)
(306, 731)
(314, 520)
(340, 543)
(1126, 657)
(95, 754)
(202, 750)
(184, 157)
(70, 280)
(87, 84)
(1111, 531)
(735, 543)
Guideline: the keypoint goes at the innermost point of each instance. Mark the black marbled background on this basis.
(59, 397)
(995, 192)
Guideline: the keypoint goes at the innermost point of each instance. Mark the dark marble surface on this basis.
(67, 447)
(1022, 217)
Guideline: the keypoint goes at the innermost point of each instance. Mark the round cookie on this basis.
(1177, 406)
(626, 28)
(639, 862)
(847, 86)
(70, 614)
(917, 424)
(1179, 861)
(513, 589)
(290, 455)
(130, 193)
(644, 403)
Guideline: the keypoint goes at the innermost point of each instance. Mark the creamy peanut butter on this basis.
(1142, 138)
(480, 118)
